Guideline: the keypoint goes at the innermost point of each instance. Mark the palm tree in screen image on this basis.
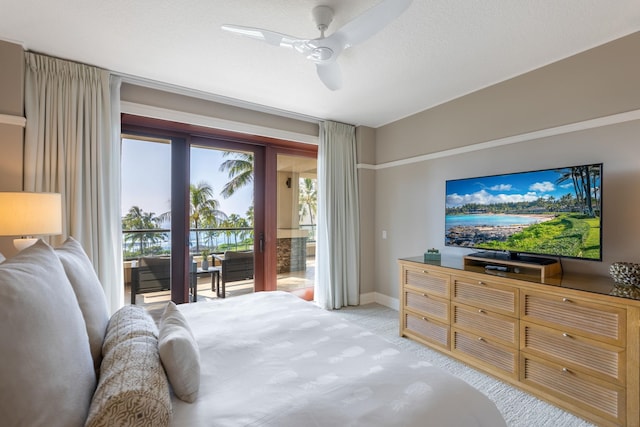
(585, 187)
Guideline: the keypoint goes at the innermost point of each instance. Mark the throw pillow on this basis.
(133, 389)
(89, 293)
(2, 258)
(46, 367)
(128, 322)
(179, 354)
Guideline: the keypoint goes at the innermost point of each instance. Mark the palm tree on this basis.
(240, 171)
(203, 208)
(583, 179)
(137, 219)
(308, 198)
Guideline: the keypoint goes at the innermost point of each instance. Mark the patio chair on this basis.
(236, 266)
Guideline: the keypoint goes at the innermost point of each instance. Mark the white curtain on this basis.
(337, 281)
(72, 146)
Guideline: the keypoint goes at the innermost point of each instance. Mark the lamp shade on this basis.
(30, 214)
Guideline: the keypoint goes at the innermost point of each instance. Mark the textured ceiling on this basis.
(436, 51)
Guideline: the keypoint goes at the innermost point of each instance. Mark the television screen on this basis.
(553, 212)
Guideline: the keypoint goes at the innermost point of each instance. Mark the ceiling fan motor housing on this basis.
(322, 16)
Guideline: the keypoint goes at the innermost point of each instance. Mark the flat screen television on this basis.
(552, 212)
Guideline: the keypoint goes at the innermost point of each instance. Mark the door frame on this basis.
(265, 150)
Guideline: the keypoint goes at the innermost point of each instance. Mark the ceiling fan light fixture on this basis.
(320, 54)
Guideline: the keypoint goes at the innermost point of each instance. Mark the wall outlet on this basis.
(384, 234)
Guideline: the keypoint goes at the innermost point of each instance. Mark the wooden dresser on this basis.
(565, 340)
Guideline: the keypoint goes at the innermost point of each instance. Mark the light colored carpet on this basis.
(519, 409)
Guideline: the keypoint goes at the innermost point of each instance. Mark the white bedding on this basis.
(272, 359)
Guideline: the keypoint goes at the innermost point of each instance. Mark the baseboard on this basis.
(378, 298)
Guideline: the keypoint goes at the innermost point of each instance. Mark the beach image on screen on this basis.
(549, 212)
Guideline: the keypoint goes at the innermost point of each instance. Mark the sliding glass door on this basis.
(146, 213)
(222, 237)
(296, 186)
(210, 196)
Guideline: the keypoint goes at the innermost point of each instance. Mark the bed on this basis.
(273, 359)
(262, 359)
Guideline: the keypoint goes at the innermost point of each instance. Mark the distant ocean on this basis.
(490, 220)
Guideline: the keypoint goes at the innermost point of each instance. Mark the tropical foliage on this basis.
(587, 193)
(239, 169)
(144, 236)
(207, 221)
(204, 209)
(308, 199)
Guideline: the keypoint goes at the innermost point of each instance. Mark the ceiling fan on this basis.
(324, 51)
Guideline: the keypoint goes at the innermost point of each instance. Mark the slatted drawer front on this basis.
(595, 358)
(600, 397)
(503, 358)
(488, 295)
(487, 324)
(603, 323)
(427, 305)
(428, 281)
(429, 330)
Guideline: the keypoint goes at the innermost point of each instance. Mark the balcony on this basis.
(295, 248)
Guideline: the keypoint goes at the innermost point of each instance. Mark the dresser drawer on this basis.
(498, 327)
(494, 356)
(593, 357)
(485, 294)
(601, 322)
(596, 396)
(427, 305)
(427, 329)
(429, 281)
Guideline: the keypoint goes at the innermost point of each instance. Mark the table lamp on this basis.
(28, 214)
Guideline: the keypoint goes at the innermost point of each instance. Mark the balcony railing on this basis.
(157, 241)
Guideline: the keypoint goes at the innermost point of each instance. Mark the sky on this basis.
(516, 187)
(146, 177)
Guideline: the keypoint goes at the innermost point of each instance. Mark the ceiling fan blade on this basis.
(330, 75)
(271, 37)
(371, 21)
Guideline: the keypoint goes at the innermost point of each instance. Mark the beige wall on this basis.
(11, 134)
(366, 140)
(186, 104)
(596, 83)
(600, 82)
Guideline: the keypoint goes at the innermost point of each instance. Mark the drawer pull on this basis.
(425, 272)
(425, 295)
(566, 335)
(480, 282)
(481, 311)
(566, 370)
(480, 339)
(566, 300)
(425, 319)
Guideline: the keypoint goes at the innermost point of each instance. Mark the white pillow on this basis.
(89, 293)
(46, 368)
(179, 354)
(2, 258)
